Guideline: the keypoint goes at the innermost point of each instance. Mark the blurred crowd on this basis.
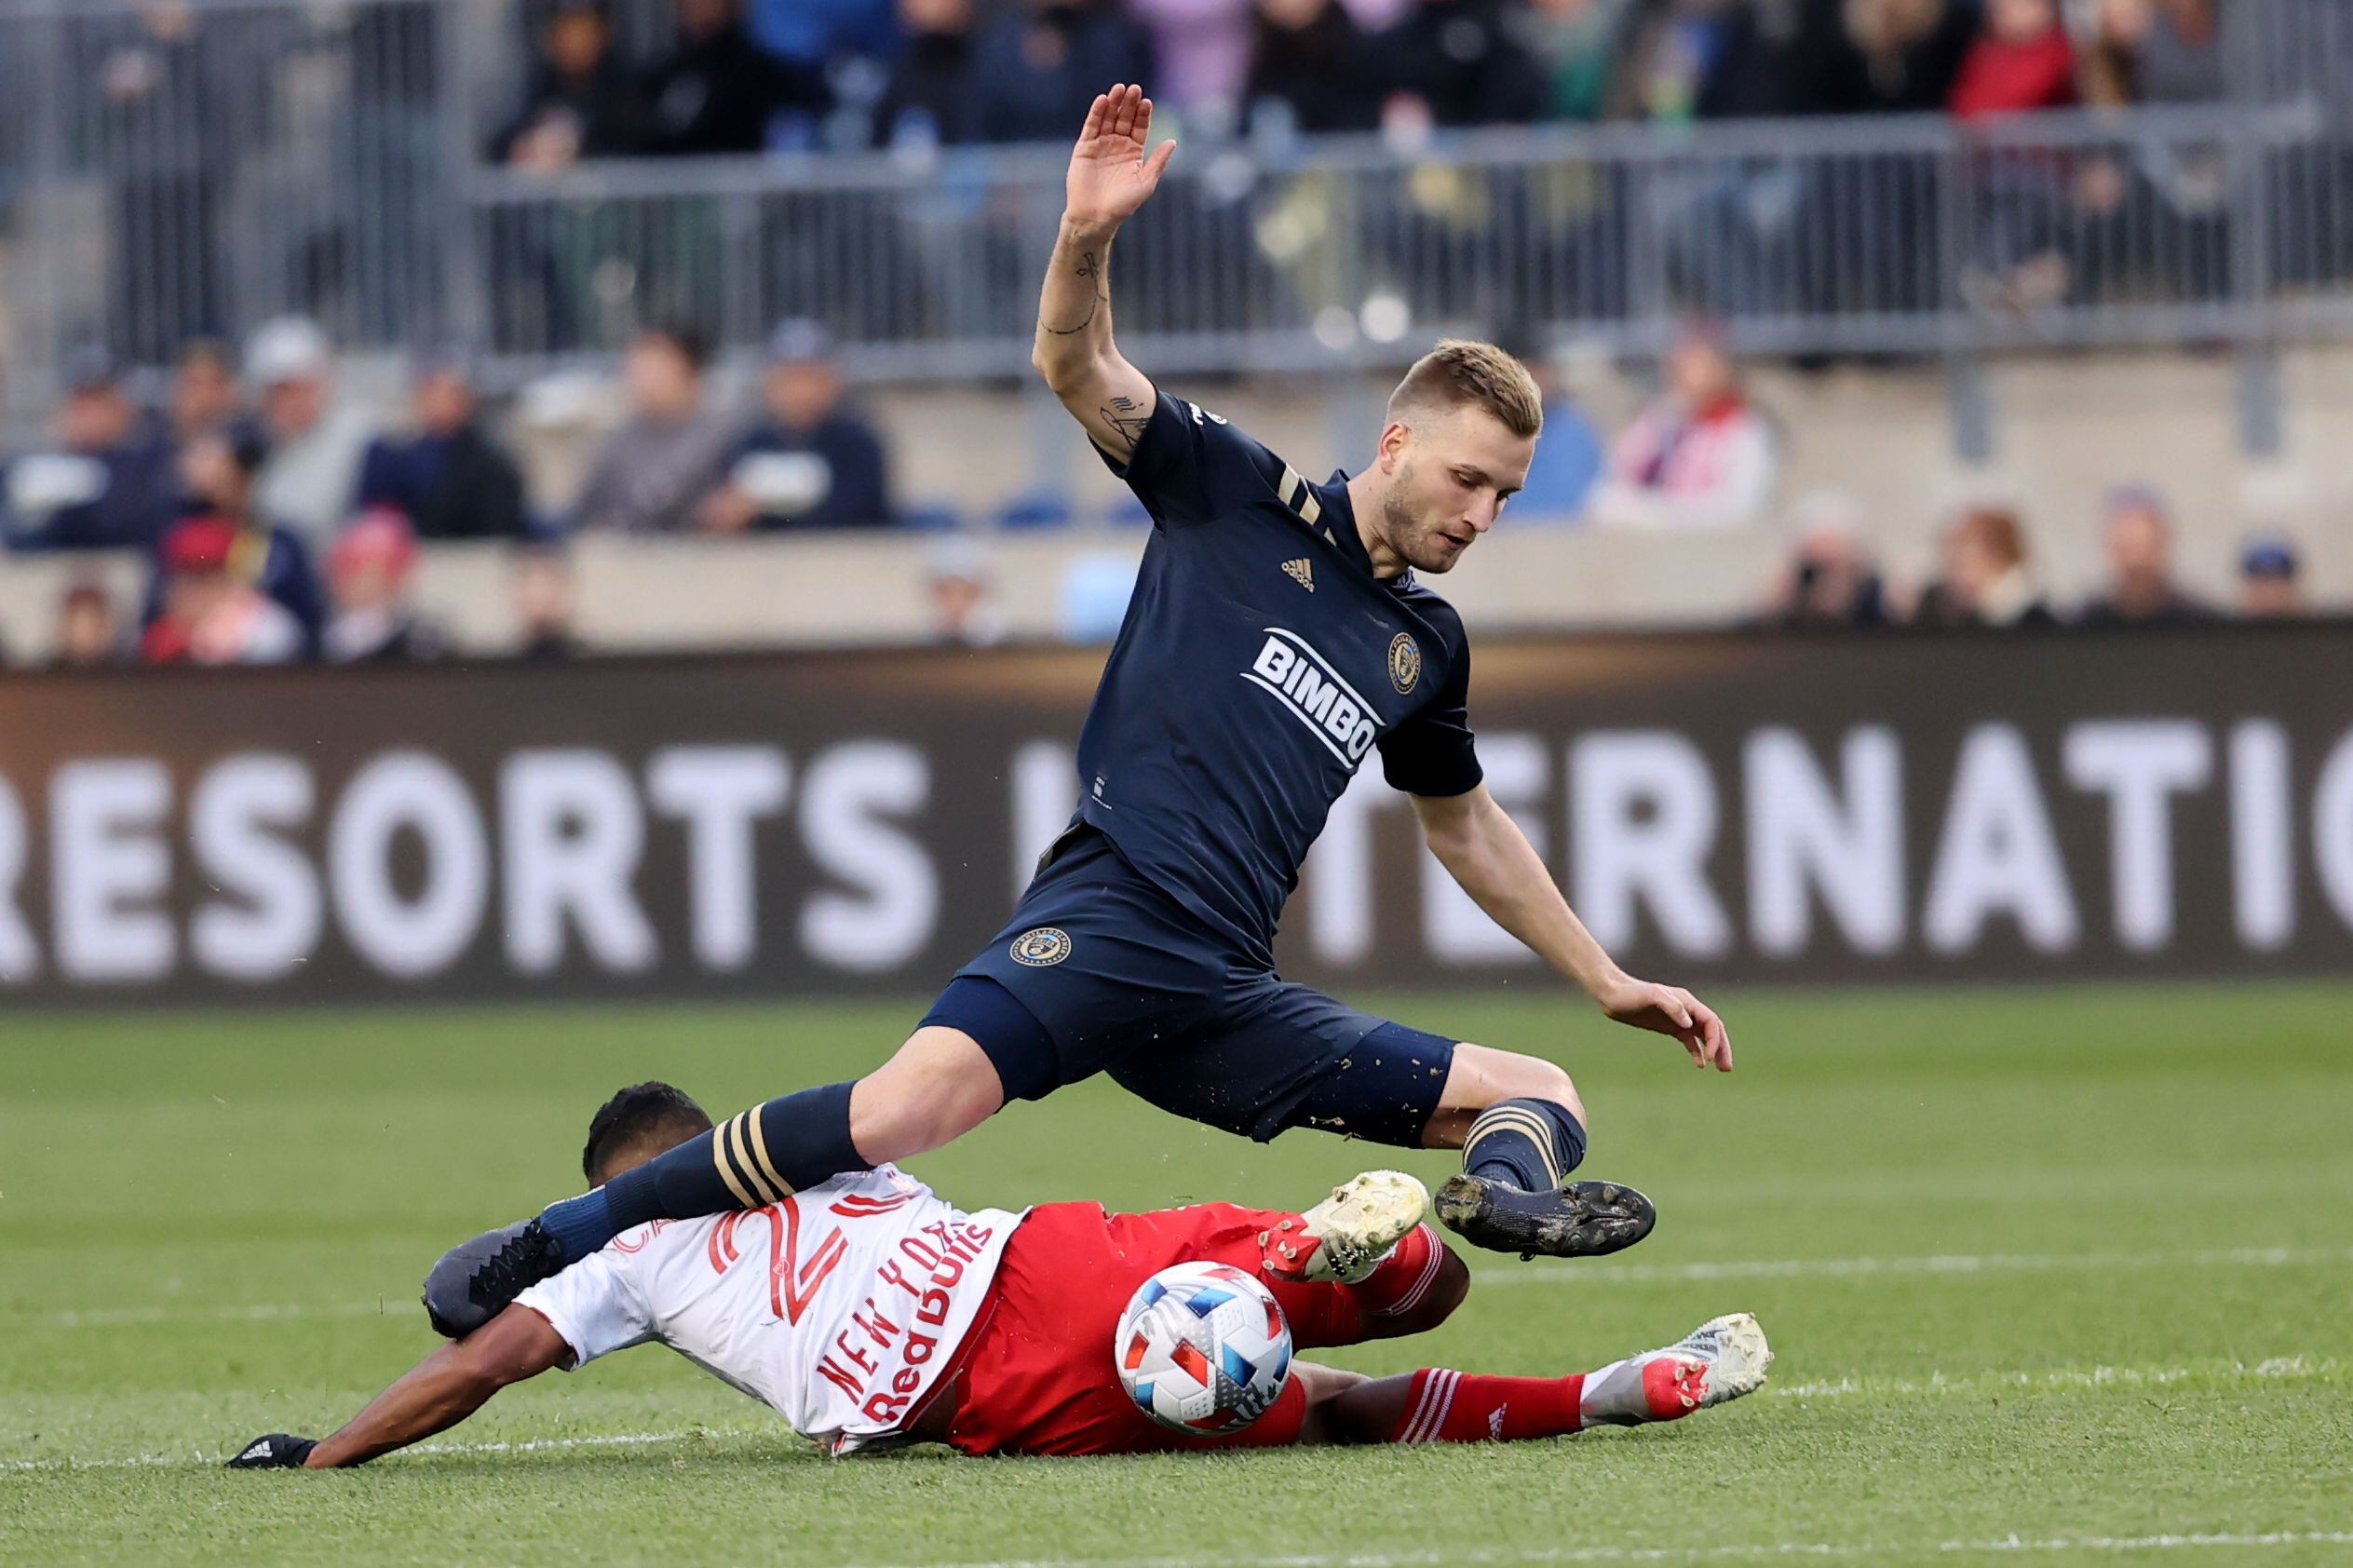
(1986, 573)
(284, 522)
(747, 74)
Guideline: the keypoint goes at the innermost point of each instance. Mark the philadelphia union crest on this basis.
(1046, 945)
(1405, 663)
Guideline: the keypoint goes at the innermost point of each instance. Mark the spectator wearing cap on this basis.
(670, 453)
(932, 97)
(1041, 62)
(368, 575)
(957, 581)
(581, 103)
(447, 477)
(1699, 456)
(721, 92)
(814, 462)
(2141, 591)
(315, 442)
(216, 477)
(1987, 581)
(90, 633)
(2271, 581)
(210, 611)
(109, 484)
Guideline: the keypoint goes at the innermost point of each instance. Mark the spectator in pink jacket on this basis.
(1699, 456)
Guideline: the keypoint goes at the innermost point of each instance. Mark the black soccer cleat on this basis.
(1579, 1220)
(476, 1281)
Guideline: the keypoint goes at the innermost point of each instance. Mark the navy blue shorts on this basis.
(1100, 971)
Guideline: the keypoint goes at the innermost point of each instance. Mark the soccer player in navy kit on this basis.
(1278, 637)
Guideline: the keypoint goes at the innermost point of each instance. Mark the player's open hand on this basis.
(1669, 1010)
(1110, 173)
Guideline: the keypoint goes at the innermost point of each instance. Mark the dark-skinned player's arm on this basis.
(433, 1396)
(1484, 849)
(1111, 176)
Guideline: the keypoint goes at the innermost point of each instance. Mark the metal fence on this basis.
(172, 170)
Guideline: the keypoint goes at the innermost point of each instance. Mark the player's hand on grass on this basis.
(279, 1451)
(1669, 1010)
(1110, 174)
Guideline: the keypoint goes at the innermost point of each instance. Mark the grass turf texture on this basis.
(2059, 1274)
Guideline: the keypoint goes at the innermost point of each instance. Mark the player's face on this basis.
(1450, 480)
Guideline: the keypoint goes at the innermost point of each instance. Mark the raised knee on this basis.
(1532, 1078)
(1553, 1083)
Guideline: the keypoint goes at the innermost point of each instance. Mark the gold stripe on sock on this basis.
(724, 1156)
(740, 1148)
(1514, 1119)
(726, 1171)
(1538, 1131)
(765, 1166)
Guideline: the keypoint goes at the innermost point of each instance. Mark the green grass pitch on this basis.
(2059, 1276)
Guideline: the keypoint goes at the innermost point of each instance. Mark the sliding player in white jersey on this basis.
(870, 1313)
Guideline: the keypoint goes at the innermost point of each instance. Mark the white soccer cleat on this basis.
(1342, 1239)
(1722, 1359)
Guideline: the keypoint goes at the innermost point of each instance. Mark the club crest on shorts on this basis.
(1405, 662)
(1046, 945)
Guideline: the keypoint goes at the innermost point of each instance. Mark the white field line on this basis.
(1731, 1553)
(2281, 1367)
(1936, 1383)
(1553, 1272)
(1547, 1272)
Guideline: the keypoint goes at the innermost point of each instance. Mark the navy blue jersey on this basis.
(1260, 661)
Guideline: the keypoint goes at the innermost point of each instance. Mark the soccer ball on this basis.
(1203, 1349)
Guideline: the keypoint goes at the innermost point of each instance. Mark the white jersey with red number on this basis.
(838, 1308)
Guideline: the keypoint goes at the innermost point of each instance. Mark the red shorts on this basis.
(1037, 1372)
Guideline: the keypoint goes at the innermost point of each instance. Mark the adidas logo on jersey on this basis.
(1313, 692)
(1302, 572)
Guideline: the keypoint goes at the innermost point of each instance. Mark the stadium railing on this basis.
(163, 179)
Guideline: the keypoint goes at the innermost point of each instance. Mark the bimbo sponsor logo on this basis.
(1315, 694)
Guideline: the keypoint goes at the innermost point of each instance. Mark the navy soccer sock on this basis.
(1531, 1143)
(752, 1159)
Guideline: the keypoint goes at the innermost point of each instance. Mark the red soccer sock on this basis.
(1403, 1278)
(1452, 1407)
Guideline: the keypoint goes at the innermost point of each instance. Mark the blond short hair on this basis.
(1459, 373)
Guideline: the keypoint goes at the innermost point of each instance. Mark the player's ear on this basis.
(1396, 437)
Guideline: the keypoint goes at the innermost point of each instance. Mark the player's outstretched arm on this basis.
(1484, 849)
(433, 1396)
(1112, 174)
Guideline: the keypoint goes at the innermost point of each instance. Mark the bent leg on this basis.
(1415, 1288)
(1481, 1078)
(936, 1087)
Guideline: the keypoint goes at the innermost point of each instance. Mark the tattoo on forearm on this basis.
(1091, 271)
(1127, 417)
